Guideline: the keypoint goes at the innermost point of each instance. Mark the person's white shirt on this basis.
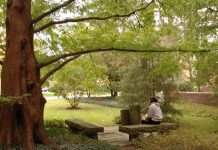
(154, 112)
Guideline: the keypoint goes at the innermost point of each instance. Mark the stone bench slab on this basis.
(89, 129)
(135, 130)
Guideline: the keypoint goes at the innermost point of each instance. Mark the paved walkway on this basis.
(112, 136)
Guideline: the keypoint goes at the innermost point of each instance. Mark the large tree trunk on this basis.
(21, 118)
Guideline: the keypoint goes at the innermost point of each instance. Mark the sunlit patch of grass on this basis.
(59, 110)
(197, 110)
(198, 124)
(48, 94)
(198, 117)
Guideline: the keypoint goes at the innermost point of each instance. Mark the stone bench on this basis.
(135, 130)
(78, 126)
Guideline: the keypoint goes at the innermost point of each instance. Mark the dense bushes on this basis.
(69, 141)
(186, 86)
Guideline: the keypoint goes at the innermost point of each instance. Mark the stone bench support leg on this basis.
(133, 136)
(92, 135)
(164, 132)
(73, 131)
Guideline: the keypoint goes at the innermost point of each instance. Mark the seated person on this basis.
(154, 115)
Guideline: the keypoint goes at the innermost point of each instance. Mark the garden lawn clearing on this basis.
(198, 121)
(96, 114)
(201, 125)
(198, 130)
(197, 110)
(198, 117)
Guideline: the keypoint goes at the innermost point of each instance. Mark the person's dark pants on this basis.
(149, 121)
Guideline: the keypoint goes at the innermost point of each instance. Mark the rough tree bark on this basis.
(21, 118)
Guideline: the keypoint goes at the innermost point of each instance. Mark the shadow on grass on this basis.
(73, 108)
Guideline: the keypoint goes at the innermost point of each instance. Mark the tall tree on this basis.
(148, 75)
(22, 104)
(79, 76)
(111, 64)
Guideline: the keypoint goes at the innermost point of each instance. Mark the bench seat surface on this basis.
(79, 125)
(148, 128)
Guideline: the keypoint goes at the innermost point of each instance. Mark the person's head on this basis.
(153, 99)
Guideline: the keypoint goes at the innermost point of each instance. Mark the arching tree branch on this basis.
(90, 18)
(37, 19)
(82, 52)
(163, 7)
(57, 68)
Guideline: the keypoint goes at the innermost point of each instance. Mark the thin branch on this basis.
(163, 7)
(212, 10)
(215, 26)
(212, 26)
(37, 19)
(138, 20)
(161, 4)
(82, 52)
(56, 69)
(90, 18)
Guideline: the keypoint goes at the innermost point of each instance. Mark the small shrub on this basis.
(55, 127)
(186, 86)
(54, 123)
(73, 101)
(170, 119)
(117, 120)
(168, 108)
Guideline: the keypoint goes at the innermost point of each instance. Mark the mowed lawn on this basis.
(196, 117)
(198, 124)
(60, 110)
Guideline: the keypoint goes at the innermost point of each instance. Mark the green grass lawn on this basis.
(196, 117)
(59, 109)
(198, 130)
(198, 124)
(48, 94)
(197, 110)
